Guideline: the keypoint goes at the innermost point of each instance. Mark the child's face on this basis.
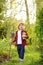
(21, 27)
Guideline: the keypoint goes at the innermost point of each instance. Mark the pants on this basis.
(20, 50)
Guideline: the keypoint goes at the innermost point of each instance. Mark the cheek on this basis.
(21, 27)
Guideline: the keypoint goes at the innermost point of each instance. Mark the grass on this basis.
(32, 57)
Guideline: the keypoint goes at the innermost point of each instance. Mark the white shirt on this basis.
(19, 39)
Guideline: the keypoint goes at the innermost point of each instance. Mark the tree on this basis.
(27, 13)
(2, 9)
(39, 29)
(39, 4)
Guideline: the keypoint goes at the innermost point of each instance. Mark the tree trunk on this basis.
(27, 13)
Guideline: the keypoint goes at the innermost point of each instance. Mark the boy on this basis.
(20, 39)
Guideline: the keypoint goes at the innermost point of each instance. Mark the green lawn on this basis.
(32, 57)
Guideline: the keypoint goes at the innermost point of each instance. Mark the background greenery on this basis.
(34, 49)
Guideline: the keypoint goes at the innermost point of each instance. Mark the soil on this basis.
(4, 58)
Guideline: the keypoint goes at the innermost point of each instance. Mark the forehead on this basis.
(21, 25)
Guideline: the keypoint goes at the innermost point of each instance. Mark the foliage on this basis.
(39, 32)
(10, 25)
(35, 40)
(31, 57)
(39, 26)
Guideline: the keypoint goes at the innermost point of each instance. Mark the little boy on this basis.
(20, 39)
